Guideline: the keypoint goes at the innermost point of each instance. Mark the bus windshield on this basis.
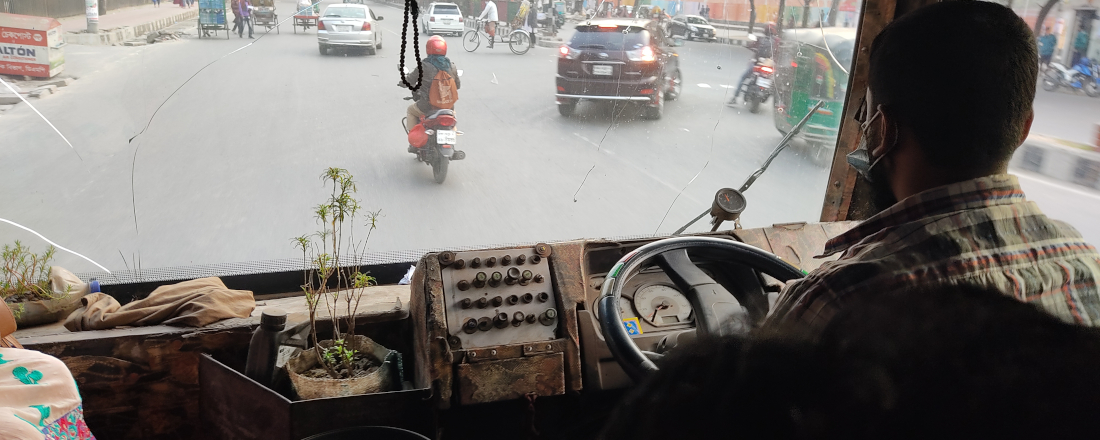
(198, 148)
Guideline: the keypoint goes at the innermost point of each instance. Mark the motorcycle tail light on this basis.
(320, 25)
(446, 121)
(767, 69)
(366, 25)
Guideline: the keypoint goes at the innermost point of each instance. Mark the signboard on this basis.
(91, 10)
(30, 46)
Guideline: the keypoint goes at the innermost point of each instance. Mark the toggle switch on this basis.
(479, 279)
(465, 303)
(497, 301)
(475, 263)
(543, 297)
(470, 326)
(512, 277)
(505, 260)
(482, 302)
(485, 324)
(517, 319)
(501, 320)
(463, 285)
(527, 297)
(494, 280)
(521, 259)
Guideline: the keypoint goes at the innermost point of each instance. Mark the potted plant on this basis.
(347, 364)
(29, 292)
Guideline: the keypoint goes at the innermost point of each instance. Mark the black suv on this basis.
(618, 60)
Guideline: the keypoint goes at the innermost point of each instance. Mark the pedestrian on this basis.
(233, 5)
(156, 3)
(244, 12)
(1080, 46)
(1047, 43)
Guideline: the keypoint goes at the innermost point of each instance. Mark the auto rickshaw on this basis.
(812, 65)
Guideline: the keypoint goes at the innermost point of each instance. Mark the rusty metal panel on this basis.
(430, 347)
(798, 243)
(509, 379)
(567, 268)
(753, 237)
(235, 407)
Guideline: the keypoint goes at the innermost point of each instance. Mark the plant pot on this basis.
(377, 380)
(46, 311)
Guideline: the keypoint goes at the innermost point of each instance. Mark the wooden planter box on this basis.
(236, 407)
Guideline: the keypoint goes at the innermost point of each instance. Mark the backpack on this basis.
(443, 93)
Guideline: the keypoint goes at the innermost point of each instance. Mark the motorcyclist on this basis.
(761, 48)
(437, 60)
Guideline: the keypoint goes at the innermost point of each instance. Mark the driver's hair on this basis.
(960, 75)
(934, 362)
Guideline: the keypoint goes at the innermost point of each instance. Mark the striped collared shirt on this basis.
(980, 232)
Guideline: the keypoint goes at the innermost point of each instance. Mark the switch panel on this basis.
(500, 297)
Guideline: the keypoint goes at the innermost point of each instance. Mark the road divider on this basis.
(1059, 159)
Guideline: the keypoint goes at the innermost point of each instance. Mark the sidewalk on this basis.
(125, 24)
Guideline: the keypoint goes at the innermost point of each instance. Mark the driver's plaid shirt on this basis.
(979, 232)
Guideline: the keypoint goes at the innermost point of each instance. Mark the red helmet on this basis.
(436, 45)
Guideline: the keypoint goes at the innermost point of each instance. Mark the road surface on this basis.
(233, 134)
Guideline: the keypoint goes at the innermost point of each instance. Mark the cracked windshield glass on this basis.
(141, 135)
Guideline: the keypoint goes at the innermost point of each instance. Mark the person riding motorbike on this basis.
(761, 48)
(437, 60)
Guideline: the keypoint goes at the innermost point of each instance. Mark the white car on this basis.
(349, 25)
(442, 18)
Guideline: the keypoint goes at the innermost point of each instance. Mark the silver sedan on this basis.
(349, 25)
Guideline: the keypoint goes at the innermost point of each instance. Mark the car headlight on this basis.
(693, 28)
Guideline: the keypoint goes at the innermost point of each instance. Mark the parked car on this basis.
(618, 60)
(349, 25)
(692, 27)
(442, 18)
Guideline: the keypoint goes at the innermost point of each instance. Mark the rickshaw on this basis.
(264, 15)
(811, 65)
(306, 15)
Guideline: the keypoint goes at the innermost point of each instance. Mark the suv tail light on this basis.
(568, 52)
(366, 25)
(644, 54)
(431, 19)
(320, 25)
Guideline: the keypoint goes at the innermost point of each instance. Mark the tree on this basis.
(1043, 15)
(832, 13)
(752, 15)
(779, 16)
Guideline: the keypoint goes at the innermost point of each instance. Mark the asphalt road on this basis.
(231, 138)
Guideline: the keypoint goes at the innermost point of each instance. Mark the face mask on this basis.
(860, 158)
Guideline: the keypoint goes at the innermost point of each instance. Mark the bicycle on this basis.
(519, 40)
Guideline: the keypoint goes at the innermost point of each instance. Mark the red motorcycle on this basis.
(433, 141)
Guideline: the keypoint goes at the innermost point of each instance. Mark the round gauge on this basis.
(662, 305)
(625, 308)
(730, 200)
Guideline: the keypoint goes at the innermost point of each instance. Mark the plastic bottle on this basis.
(264, 348)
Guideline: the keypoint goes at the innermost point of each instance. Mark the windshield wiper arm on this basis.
(756, 174)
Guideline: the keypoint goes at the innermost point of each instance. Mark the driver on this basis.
(934, 152)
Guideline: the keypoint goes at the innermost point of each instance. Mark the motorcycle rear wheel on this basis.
(439, 168)
(754, 103)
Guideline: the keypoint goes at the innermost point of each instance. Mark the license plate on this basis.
(342, 28)
(446, 21)
(763, 82)
(602, 70)
(446, 137)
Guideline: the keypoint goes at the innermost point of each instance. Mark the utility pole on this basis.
(91, 10)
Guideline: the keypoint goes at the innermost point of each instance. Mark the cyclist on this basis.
(490, 14)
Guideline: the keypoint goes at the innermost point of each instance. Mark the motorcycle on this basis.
(757, 87)
(1084, 76)
(433, 141)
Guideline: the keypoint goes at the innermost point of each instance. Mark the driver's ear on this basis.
(885, 134)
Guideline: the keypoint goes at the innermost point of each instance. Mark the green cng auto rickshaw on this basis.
(811, 65)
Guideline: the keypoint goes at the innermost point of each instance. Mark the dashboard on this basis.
(500, 324)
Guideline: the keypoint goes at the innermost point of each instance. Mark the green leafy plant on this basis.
(25, 273)
(330, 275)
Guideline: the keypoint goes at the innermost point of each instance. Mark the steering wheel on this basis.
(716, 310)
